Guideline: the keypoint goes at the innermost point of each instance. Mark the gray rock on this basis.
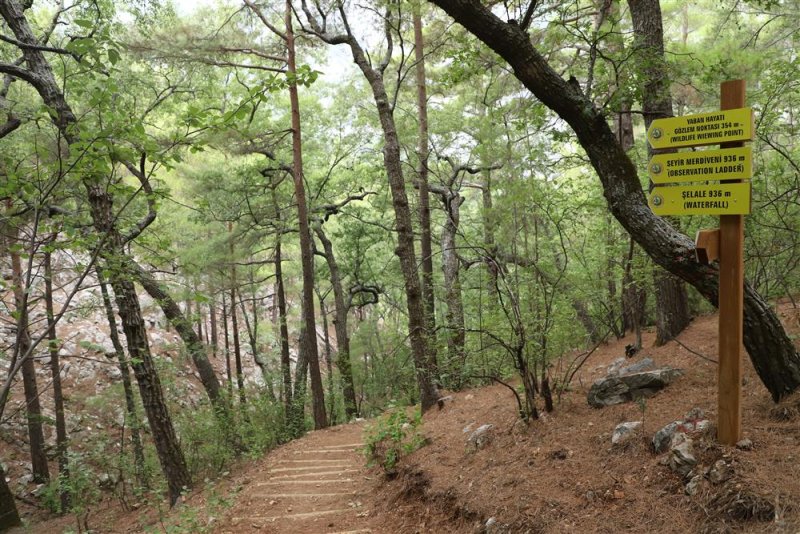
(623, 432)
(682, 459)
(646, 364)
(624, 388)
(480, 437)
(720, 472)
(113, 372)
(662, 440)
(693, 485)
(745, 444)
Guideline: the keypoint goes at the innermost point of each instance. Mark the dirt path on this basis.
(314, 485)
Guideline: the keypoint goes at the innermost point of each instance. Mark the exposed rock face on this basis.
(682, 459)
(625, 388)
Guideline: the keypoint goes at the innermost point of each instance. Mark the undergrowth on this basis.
(393, 436)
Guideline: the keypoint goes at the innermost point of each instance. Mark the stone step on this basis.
(325, 451)
(301, 515)
(311, 468)
(318, 461)
(300, 495)
(280, 482)
(316, 474)
(351, 445)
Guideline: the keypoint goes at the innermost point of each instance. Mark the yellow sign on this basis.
(701, 166)
(702, 129)
(709, 199)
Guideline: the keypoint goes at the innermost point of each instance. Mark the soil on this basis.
(559, 473)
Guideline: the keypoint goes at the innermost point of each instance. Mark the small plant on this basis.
(393, 436)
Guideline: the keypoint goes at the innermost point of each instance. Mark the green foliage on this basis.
(393, 436)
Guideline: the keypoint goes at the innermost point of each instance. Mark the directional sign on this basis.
(709, 199)
(700, 166)
(702, 129)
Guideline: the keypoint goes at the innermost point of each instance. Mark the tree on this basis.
(772, 352)
(374, 75)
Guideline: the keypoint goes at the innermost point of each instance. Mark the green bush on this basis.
(393, 436)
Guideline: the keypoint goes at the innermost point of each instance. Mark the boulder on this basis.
(646, 364)
(693, 422)
(682, 459)
(624, 388)
(480, 437)
(623, 432)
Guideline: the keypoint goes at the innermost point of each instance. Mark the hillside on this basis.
(559, 474)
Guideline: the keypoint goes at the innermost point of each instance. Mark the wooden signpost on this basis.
(724, 191)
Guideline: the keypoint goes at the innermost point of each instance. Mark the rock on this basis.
(646, 364)
(624, 388)
(113, 372)
(720, 472)
(614, 367)
(682, 459)
(480, 437)
(693, 485)
(468, 428)
(694, 422)
(662, 440)
(623, 432)
(39, 490)
(745, 444)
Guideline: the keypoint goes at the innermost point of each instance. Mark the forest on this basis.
(227, 223)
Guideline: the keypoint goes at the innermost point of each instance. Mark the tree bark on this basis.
(426, 249)
(454, 317)
(228, 373)
(55, 373)
(40, 76)
(309, 327)
(424, 366)
(772, 352)
(283, 331)
(672, 301)
(33, 410)
(212, 311)
(340, 324)
(130, 402)
(183, 326)
(9, 516)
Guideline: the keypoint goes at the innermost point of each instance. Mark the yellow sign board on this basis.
(702, 129)
(701, 166)
(708, 199)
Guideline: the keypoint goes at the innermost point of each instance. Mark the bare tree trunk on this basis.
(55, 372)
(426, 250)
(672, 301)
(452, 284)
(183, 326)
(286, 362)
(227, 347)
(328, 362)
(33, 410)
(212, 311)
(237, 349)
(9, 516)
(309, 327)
(130, 402)
(340, 324)
(424, 366)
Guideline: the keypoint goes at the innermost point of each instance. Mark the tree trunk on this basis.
(101, 204)
(33, 410)
(283, 329)
(252, 336)
(9, 516)
(130, 402)
(55, 372)
(672, 301)
(328, 362)
(309, 327)
(425, 367)
(426, 250)
(340, 324)
(121, 275)
(452, 283)
(212, 311)
(237, 349)
(228, 373)
(183, 326)
(772, 352)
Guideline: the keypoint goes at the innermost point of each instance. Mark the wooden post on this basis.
(731, 300)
